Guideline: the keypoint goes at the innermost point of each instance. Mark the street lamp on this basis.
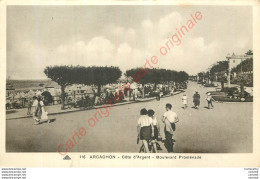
(229, 70)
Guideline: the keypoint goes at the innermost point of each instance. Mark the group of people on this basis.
(196, 100)
(148, 127)
(149, 130)
(38, 110)
(21, 99)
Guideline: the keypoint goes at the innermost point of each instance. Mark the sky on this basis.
(123, 36)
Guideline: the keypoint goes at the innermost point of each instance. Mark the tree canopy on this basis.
(247, 66)
(60, 74)
(68, 75)
(100, 75)
(249, 52)
(220, 66)
(218, 69)
(156, 76)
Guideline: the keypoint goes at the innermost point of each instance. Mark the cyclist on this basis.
(145, 128)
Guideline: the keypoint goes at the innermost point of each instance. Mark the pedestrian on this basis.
(94, 97)
(144, 128)
(185, 101)
(107, 92)
(169, 119)
(196, 100)
(69, 102)
(156, 129)
(210, 99)
(34, 110)
(7, 104)
(157, 92)
(135, 93)
(29, 106)
(41, 111)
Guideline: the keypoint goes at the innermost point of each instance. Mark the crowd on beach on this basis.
(87, 98)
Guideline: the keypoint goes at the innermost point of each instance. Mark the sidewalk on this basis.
(56, 109)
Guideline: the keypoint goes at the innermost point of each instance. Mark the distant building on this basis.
(237, 59)
(9, 87)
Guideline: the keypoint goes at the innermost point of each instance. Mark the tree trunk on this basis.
(143, 91)
(99, 90)
(222, 85)
(130, 90)
(155, 86)
(63, 97)
(242, 90)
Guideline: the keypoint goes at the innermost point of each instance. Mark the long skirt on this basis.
(196, 102)
(44, 115)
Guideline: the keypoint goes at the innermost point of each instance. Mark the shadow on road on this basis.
(51, 120)
(11, 111)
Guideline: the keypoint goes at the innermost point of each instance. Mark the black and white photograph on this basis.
(129, 79)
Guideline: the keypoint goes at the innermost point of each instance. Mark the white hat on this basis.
(208, 93)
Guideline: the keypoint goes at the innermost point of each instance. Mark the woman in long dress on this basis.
(35, 110)
(42, 113)
(196, 100)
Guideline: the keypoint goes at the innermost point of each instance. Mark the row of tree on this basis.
(98, 76)
(157, 76)
(245, 66)
(69, 75)
(219, 71)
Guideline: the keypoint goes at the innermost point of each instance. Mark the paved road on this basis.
(225, 129)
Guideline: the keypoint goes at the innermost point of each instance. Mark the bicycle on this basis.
(151, 147)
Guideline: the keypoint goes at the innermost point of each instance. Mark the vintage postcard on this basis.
(130, 84)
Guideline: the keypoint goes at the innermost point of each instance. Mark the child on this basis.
(185, 101)
(210, 99)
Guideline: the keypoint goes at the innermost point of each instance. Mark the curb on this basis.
(234, 102)
(97, 107)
